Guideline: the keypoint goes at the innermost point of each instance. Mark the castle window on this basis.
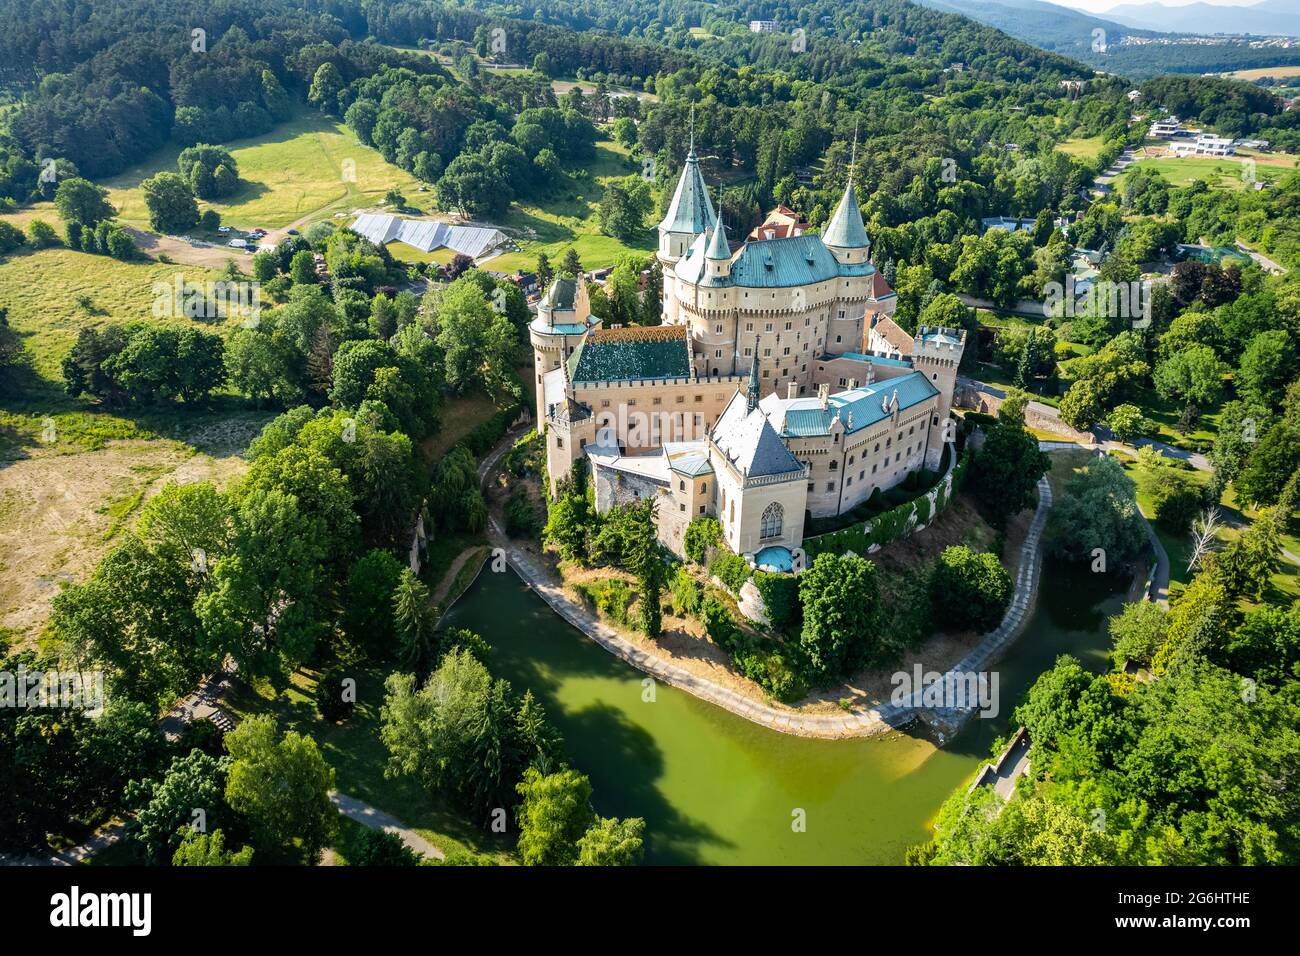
(681, 507)
(841, 313)
(717, 353)
(810, 486)
(704, 488)
(838, 338)
(773, 517)
(787, 350)
(835, 466)
(849, 482)
(659, 401)
(787, 326)
(604, 403)
(701, 509)
(717, 329)
(749, 326)
(681, 486)
(830, 486)
(748, 352)
(852, 458)
(873, 469)
(681, 399)
(766, 353)
(559, 442)
(768, 327)
(877, 448)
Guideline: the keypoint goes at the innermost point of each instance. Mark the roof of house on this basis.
(426, 235)
(631, 354)
(857, 408)
(691, 210)
(690, 458)
(562, 294)
(880, 288)
(893, 333)
(749, 441)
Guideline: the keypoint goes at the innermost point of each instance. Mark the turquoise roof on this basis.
(861, 357)
(845, 230)
(562, 328)
(793, 261)
(690, 458)
(805, 418)
(718, 248)
(691, 210)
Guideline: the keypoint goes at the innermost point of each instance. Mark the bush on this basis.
(969, 591)
(717, 622)
(687, 593)
(780, 593)
(701, 535)
(732, 570)
(611, 596)
(522, 518)
(41, 234)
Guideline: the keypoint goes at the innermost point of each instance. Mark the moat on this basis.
(717, 789)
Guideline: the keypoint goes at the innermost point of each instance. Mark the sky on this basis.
(1101, 6)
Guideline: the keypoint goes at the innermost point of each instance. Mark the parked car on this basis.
(238, 244)
(224, 229)
(292, 232)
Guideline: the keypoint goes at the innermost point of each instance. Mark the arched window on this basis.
(772, 518)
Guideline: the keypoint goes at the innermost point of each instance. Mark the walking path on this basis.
(873, 720)
(74, 856)
(368, 816)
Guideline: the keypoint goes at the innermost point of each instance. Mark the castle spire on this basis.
(691, 210)
(845, 230)
(718, 247)
(753, 384)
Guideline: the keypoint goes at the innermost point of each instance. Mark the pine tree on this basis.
(545, 272)
(572, 264)
(413, 623)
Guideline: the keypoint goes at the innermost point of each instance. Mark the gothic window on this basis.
(773, 515)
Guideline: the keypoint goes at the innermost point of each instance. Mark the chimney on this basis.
(791, 390)
(824, 394)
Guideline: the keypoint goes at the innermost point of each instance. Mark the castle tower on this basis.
(937, 353)
(846, 238)
(563, 319)
(690, 212)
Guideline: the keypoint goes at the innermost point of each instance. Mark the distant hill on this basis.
(1135, 51)
(1269, 18)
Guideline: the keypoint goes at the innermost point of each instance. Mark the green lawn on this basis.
(310, 167)
(566, 219)
(1084, 148)
(1177, 546)
(358, 757)
(1182, 171)
(41, 291)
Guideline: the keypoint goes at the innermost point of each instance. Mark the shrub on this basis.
(687, 593)
(717, 622)
(732, 570)
(522, 518)
(701, 535)
(969, 590)
(780, 593)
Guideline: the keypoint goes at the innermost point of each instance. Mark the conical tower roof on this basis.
(691, 210)
(845, 230)
(718, 248)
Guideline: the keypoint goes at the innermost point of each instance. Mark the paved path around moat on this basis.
(873, 720)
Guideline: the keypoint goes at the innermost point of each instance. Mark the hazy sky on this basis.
(1101, 6)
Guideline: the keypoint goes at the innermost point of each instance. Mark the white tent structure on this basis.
(473, 241)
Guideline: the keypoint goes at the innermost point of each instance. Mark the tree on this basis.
(41, 234)
(1137, 632)
(969, 590)
(478, 343)
(165, 810)
(381, 848)
(325, 87)
(841, 614)
(623, 208)
(554, 816)
(1194, 376)
(459, 735)
(1006, 470)
(170, 202)
(368, 615)
(282, 786)
(1267, 365)
(1269, 465)
(413, 622)
(642, 558)
(209, 849)
(1128, 423)
(210, 171)
(545, 274)
(1098, 512)
(569, 523)
(79, 200)
(613, 842)
(302, 268)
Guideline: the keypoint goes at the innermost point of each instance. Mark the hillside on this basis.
(1267, 18)
(1132, 47)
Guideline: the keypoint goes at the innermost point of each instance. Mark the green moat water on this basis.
(717, 789)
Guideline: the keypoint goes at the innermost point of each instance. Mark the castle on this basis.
(777, 386)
